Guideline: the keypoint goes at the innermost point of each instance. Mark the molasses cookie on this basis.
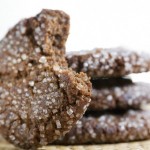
(40, 98)
(118, 93)
(109, 128)
(111, 62)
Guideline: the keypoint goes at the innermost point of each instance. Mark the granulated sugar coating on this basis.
(118, 93)
(109, 128)
(41, 99)
(111, 62)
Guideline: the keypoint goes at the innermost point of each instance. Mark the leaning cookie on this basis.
(108, 62)
(110, 128)
(118, 93)
(41, 99)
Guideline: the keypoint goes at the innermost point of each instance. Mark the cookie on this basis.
(41, 98)
(109, 128)
(118, 93)
(111, 62)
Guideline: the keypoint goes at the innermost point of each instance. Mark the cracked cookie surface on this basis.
(110, 62)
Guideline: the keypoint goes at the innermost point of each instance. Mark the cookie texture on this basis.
(109, 128)
(41, 99)
(118, 93)
(111, 62)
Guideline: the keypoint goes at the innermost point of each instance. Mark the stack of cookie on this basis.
(41, 99)
(115, 113)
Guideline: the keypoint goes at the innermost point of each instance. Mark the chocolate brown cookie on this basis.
(111, 62)
(118, 93)
(109, 128)
(41, 99)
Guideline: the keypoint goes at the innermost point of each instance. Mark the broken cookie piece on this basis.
(40, 98)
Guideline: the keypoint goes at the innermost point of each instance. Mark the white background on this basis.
(94, 23)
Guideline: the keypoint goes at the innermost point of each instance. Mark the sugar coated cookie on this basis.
(40, 98)
(111, 62)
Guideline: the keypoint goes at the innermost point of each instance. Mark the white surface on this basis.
(94, 23)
